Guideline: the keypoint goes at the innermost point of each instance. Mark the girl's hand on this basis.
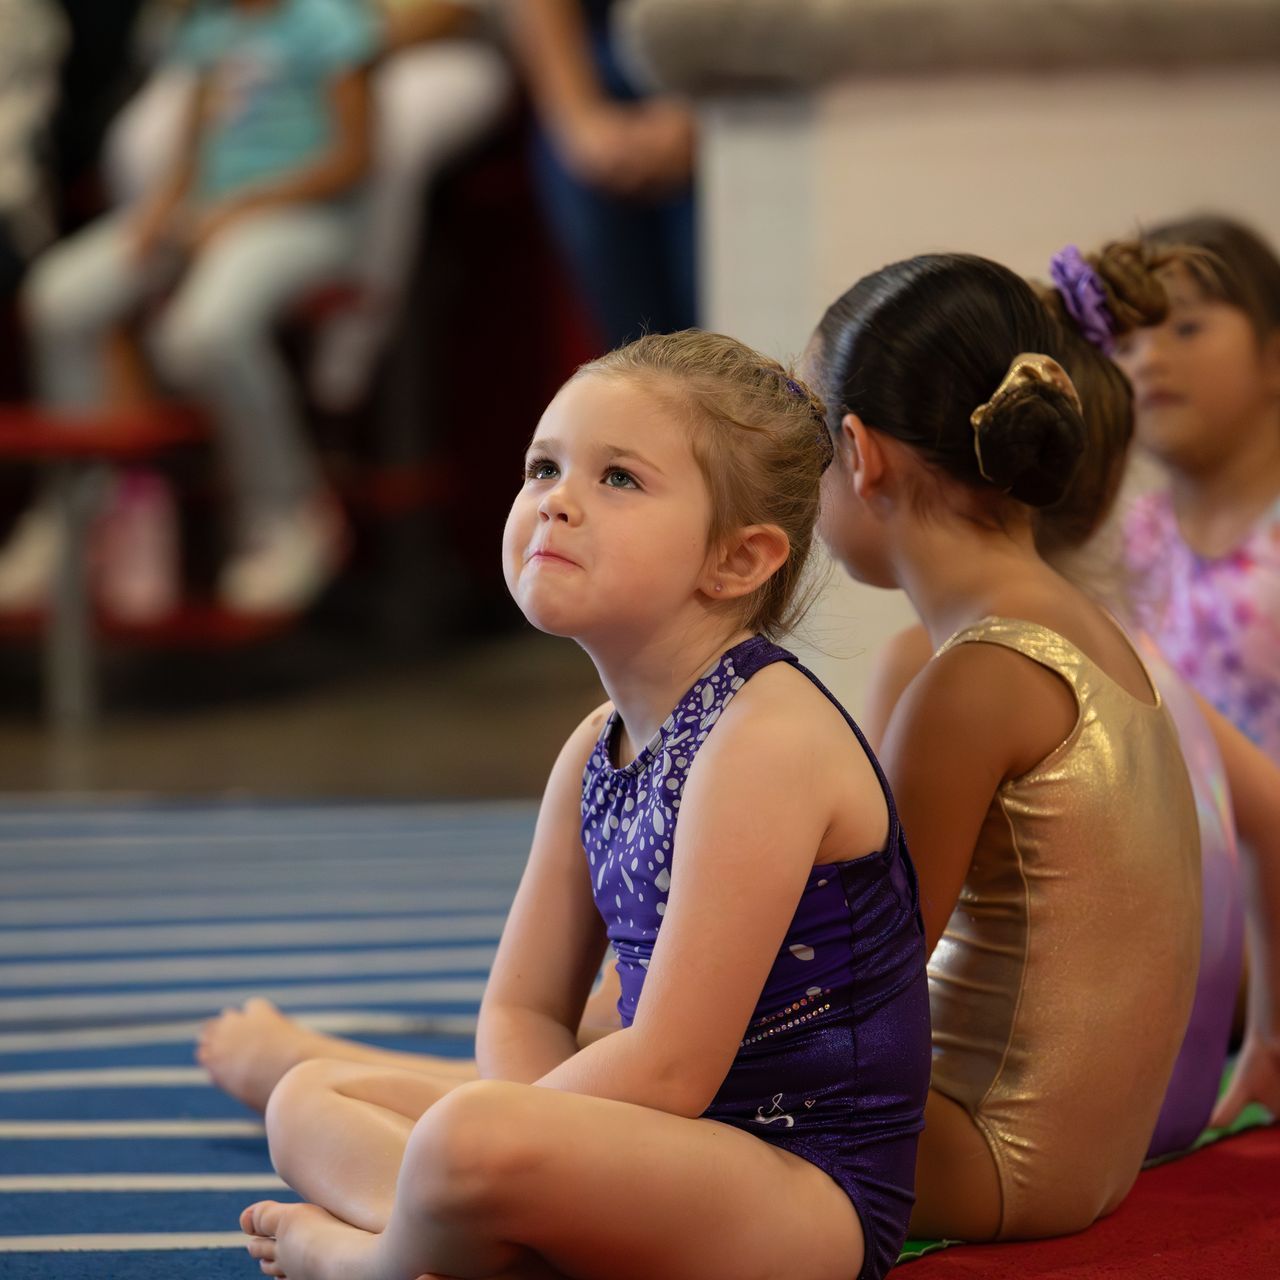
(153, 225)
(667, 131)
(1256, 1079)
(595, 145)
(634, 150)
(207, 225)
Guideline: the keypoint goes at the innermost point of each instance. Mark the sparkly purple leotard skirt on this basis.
(835, 1062)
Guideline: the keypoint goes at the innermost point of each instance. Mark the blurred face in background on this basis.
(1204, 384)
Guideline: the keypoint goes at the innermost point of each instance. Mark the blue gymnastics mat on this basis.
(122, 927)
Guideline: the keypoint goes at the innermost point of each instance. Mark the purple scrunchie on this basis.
(1084, 297)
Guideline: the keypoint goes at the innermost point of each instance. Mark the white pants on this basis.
(214, 338)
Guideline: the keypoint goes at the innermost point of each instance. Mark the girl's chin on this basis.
(552, 621)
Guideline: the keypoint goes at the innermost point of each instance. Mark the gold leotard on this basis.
(1063, 984)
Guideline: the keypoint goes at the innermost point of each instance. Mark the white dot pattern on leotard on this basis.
(629, 816)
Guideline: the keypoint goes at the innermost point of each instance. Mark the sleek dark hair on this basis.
(915, 348)
(1236, 265)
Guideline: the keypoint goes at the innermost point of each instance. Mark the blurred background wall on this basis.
(830, 138)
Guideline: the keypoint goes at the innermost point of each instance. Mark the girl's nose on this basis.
(558, 504)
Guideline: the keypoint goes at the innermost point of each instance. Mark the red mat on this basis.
(1212, 1215)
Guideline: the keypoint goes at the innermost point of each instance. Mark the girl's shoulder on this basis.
(783, 745)
(990, 699)
(783, 719)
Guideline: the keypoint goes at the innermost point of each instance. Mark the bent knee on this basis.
(476, 1147)
(192, 351)
(53, 299)
(298, 1092)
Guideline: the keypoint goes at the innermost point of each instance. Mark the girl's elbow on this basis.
(683, 1087)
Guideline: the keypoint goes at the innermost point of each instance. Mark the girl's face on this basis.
(609, 532)
(1203, 383)
(848, 527)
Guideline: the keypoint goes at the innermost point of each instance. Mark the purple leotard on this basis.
(834, 1064)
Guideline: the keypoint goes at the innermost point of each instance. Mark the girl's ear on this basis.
(745, 561)
(866, 456)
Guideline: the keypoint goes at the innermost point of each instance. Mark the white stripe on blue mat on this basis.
(57, 1129)
(341, 1023)
(143, 1182)
(122, 1243)
(123, 926)
(264, 966)
(276, 935)
(212, 872)
(245, 906)
(158, 821)
(103, 1078)
(211, 999)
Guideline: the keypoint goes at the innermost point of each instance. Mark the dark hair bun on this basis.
(1032, 440)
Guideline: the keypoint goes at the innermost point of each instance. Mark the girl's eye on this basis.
(616, 478)
(540, 469)
(1187, 328)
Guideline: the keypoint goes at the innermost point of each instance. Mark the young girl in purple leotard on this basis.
(722, 823)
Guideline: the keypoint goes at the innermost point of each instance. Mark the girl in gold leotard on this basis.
(1038, 774)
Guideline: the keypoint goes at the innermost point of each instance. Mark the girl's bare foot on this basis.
(247, 1050)
(303, 1242)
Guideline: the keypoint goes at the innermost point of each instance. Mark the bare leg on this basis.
(247, 1052)
(957, 1186)
(593, 1188)
(338, 1132)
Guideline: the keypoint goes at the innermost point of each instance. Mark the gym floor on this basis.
(308, 718)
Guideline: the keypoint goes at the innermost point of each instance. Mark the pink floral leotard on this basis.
(1216, 619)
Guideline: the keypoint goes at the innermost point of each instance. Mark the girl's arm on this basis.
(337, 170)
(550, 38)
(755, 808)
(405, 25)
(628, 148)
(974, 716)
(1253, 780)
(554, 939)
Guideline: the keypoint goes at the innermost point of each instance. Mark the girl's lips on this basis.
(552, 556)
(1160, 400)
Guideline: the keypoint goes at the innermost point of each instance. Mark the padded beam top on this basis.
(726, 46)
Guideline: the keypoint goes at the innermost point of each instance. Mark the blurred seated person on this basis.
(614, 166)
(32, 40)
(440, 83)
(259, 204)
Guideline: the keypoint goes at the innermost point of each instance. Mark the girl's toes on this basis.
(261, 1219)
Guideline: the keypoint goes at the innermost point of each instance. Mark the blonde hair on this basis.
(760, 439)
